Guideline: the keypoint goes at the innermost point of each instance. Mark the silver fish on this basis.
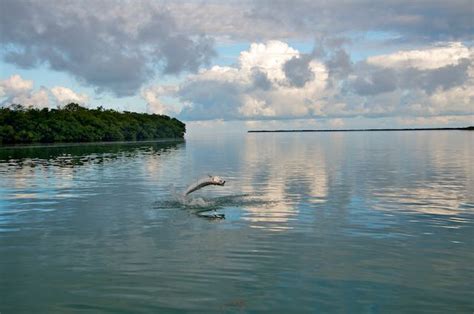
(209, 180)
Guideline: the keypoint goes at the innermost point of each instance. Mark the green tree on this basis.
(74, 123)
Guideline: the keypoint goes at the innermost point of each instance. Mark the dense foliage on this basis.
(74, 123)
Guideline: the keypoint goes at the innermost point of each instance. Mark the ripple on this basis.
(383, 220)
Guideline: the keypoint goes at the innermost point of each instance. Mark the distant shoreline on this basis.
(469, 128)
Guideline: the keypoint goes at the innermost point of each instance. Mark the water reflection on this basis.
(37, 178)
(70, 155)
(367, 222)
(280, 173)
(300, 174)
(436, 199)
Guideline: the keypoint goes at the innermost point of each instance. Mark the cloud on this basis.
(265, 85)
(121, 48)
(252, 107)
(339, 63)
(185, 54)
(297, 70)
(65, 96)
(262, 85)
(375, 82)
(207, 99)
(15, 84)
(260, 80)
(441, 120)
(152, 95)
(425, 59)
(111, 47)
(16, 90)
(269, 57)
(418, 22)
(37, 99)
(426, 21)
(423, 71)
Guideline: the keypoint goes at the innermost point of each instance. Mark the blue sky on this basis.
(239, 65)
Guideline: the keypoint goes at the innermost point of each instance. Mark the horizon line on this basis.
(468, 128)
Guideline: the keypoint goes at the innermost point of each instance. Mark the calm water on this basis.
(336, 222)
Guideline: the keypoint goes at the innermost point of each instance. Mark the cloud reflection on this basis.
(299, 175)
(436, 199)
(282, 175)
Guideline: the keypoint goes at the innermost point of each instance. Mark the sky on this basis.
(230, 66)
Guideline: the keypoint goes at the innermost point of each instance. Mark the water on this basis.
(341, 222)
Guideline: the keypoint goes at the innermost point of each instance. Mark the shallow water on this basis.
(335, 222)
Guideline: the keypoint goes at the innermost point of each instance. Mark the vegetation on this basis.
(74, 123)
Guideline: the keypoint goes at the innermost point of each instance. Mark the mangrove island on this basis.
(74, 123)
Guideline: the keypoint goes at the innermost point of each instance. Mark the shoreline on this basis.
(75, 144)
(469, 128)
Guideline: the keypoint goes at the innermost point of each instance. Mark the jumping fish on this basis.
(199, 184)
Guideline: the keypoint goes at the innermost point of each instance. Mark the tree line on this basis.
(73, 123)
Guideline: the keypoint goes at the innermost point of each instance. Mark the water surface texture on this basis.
(336, 222)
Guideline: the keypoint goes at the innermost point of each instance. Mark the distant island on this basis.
(74, 123)
(469, 128)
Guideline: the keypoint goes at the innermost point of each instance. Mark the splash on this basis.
(196, 205)
(178, 200)
(207, 207)
(182, 200)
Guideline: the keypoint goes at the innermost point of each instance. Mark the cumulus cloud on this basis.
(297, 70)
(252, 107)
(15, 84)
(339, 63)
(268, 57)
(429, 82)
(425, 59)
(265, 85)
(16, 90)
(430, 69)
(119, 48)
(152, 95)
(65, 96)
(37, 99)
(260, 80)
(110, 46)
(375, 81)
(260, 86)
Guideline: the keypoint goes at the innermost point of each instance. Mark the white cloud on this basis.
(152, 96)
(269, 58)
(428, 82)
(16, 90)
(433, 81)
(38, 99)
(14, 85)
(457, 98)
(65, 96)
(438, 120)
(425, 59)
(255, 88)
(255, 107)
(336, 123)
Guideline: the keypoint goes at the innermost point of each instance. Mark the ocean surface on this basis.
(357, 222)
